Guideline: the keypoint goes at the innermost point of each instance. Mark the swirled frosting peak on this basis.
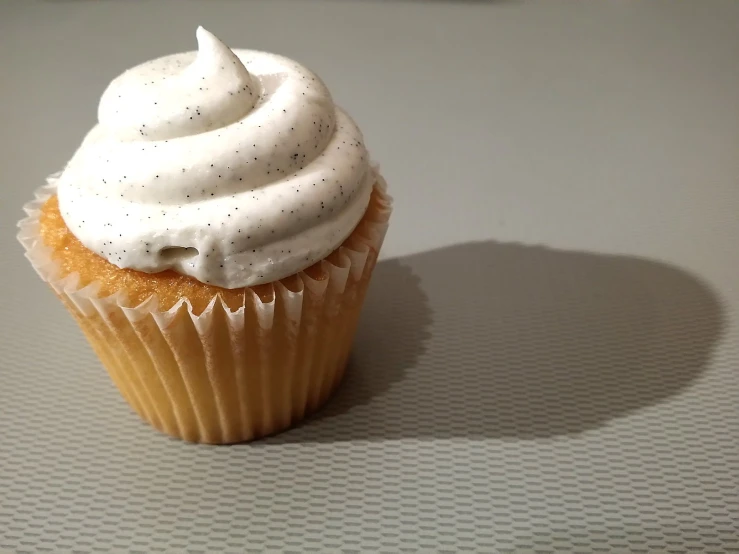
(233, 167)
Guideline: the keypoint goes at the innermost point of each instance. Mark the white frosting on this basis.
(234, 167)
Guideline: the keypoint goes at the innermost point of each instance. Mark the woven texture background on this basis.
(531, 409)
(579, 397)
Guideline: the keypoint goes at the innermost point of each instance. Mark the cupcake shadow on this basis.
(491, 340)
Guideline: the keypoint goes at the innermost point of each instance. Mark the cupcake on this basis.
(214, 236)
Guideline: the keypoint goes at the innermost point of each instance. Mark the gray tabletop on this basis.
(548, 356)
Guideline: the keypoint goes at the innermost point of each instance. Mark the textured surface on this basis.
(580, 396)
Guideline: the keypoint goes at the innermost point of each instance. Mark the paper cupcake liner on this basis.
(225, 376)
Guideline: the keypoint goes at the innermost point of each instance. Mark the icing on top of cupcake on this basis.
(233, 167)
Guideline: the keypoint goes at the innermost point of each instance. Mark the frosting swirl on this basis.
(233, 167)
